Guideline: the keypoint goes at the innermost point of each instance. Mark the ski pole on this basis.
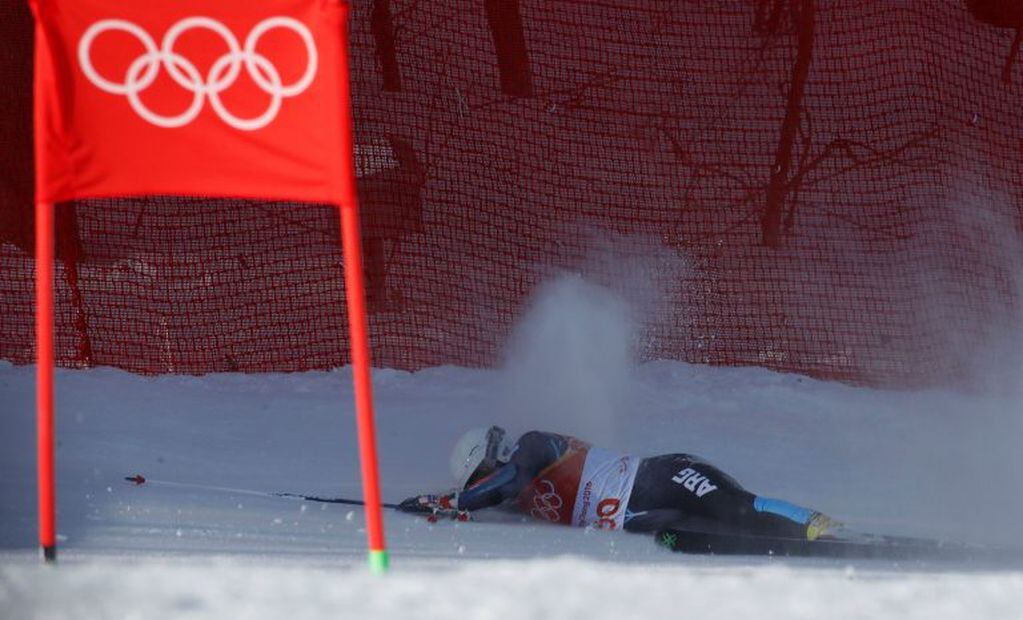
(332, 500)
(139, 479)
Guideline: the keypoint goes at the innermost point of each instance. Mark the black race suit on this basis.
(670, 489)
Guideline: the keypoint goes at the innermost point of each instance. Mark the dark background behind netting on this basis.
(824, 187)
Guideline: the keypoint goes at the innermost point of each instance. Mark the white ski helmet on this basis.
(478, 450)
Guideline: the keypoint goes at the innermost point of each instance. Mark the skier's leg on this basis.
(816, 523)
(688, 489)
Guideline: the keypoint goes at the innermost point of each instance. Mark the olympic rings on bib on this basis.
(546, 502)
(223, 73)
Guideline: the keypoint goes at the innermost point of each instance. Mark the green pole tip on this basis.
(378, 561)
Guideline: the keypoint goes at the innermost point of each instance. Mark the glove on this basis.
(426, 504)
(434, 507)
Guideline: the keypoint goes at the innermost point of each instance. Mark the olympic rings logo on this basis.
(223, 73)
(547, 503)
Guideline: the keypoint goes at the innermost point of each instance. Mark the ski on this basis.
(855, 546)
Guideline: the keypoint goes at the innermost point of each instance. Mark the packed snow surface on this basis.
(202, 539)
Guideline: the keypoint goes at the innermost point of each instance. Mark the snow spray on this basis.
(955, 450)
(571, 360)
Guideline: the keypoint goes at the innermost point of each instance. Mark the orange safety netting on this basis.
(831, 187)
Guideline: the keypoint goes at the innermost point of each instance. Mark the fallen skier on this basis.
(564, 480)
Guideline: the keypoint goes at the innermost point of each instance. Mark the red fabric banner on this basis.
(189, 97)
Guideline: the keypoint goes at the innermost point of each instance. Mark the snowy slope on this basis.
(174, 550)
(202, 540)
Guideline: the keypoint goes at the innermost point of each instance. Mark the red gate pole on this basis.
(358, 325)
(44, 382)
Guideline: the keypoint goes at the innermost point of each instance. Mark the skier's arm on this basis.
(534, 451)
(491, 490)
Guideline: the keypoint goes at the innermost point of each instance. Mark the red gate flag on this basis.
(196, 98)
(189, 97)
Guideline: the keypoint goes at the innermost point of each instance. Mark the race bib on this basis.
(604, 489)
